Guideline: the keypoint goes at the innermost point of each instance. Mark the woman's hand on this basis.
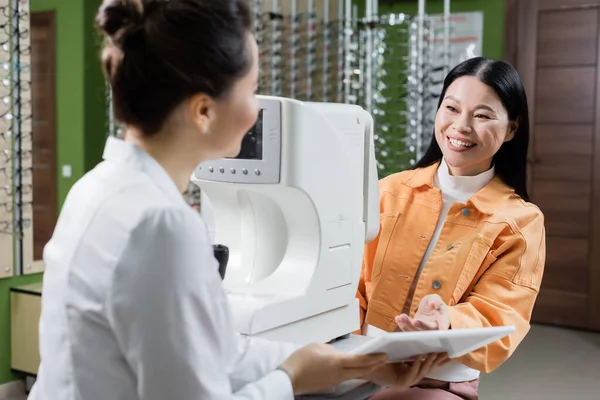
(318, 367)
(405, 375)
(432, 314)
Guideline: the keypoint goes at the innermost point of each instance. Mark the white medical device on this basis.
(295, 208)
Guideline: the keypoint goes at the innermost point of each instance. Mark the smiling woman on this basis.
(460, 245)
(483, 104)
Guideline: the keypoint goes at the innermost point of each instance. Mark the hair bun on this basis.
(118, 18)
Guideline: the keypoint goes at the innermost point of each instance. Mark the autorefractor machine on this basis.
(295, 209)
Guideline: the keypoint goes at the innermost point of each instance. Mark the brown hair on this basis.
(158, 53)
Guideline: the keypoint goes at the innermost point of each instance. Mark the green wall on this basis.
(94, 132)
(80, 120)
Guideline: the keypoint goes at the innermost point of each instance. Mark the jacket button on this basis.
(437, 285)
(466, 212)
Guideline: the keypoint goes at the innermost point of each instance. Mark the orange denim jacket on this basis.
(487, 264)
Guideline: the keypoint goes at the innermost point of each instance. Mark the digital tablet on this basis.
(404, 346)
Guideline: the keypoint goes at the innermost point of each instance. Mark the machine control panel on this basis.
(259, 160)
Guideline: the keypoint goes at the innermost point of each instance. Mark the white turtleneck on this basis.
(454, 189)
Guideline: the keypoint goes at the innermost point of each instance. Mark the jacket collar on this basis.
(122, 152)
(422, 177)
(486, 200)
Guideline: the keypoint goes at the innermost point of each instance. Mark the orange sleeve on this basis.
(365, 278)
(504, 295)
(361, 294)
(367, 269)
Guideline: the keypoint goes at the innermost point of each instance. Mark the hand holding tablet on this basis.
(406, 375)
(404, 346)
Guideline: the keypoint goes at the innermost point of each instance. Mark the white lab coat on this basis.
(132, 304)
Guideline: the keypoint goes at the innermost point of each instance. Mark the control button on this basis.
(244, 171)
(257, 172)
(222, 170)
(233, 170)
(211, 169)
(450, 246)
(466, 212)
(437, 285)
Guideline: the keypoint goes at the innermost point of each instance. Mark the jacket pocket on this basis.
(388, 224)
(478, 260)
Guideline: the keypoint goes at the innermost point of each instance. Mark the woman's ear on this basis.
(201, 110)
(512, 130)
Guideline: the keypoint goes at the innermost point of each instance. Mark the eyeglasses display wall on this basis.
(6, 150)
(16, 185)
(407, 80)
(301, 46)
(392, 65)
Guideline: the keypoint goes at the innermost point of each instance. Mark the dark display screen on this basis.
(252, 145)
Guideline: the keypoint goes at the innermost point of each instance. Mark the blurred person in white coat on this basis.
(133, 306)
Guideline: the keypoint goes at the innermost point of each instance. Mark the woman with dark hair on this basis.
(460, 244)
(133, 306)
